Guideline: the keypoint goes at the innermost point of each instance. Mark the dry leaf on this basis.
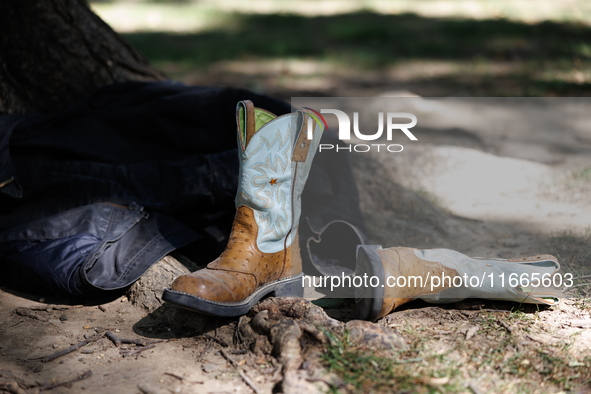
(471, 332)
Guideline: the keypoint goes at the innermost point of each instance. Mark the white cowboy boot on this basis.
(444, 276)
(262, 255)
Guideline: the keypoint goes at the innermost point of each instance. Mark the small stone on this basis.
(117, 330)
(208, 368)
(86, 327)
(63, 317)
(525, 363)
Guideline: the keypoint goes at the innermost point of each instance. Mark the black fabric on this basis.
(92, 197)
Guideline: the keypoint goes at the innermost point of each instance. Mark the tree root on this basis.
(297, 331)
(286, 321)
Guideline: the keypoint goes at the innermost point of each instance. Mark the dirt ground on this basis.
(541, 205)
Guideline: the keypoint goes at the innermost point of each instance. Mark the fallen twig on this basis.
(25, 312)
(227, 357)
(20, 321)
(102, 308)
(118, 341)
(50, 307)
(248, 381)
(137, 352)
(505, 326)
(182, 379)
(409, 360)
(63, 352)
(175, 376)
(67, 383)
(240, 371)
(69, 350)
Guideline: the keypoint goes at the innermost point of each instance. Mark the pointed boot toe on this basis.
(216, 286)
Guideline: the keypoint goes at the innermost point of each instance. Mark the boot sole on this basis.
(369, 300)
(291, 286)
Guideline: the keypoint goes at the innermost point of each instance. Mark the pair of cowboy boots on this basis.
(263, 258)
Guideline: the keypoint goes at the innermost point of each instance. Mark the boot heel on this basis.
(368, 300)
(293, 287)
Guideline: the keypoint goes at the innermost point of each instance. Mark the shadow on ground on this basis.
(504, 57)
(171, 322)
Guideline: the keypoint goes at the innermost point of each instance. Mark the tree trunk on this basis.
(54, 52)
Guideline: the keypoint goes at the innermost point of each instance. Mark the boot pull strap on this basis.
(246, 121)
(302, 144)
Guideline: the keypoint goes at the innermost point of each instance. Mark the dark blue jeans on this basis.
(103, 190)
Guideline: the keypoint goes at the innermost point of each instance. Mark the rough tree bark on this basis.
(54, 52)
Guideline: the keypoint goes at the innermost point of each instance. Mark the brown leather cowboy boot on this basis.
(443, 276)
(262, 255)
